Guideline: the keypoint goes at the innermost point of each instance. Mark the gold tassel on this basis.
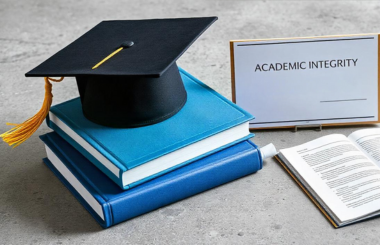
(21, 132)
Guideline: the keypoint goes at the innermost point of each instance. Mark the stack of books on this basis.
(120, 173)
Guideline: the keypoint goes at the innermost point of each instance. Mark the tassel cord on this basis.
(21, 132)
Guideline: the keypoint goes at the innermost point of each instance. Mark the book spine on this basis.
(186, 182)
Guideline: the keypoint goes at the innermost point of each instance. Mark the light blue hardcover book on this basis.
(131, 156)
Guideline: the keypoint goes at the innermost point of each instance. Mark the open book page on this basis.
(339, 173)
(369, 141)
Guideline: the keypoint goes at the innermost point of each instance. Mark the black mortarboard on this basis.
(138, 86)
(125, 70)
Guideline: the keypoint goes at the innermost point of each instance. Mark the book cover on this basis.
(207, 118)
(109, 205)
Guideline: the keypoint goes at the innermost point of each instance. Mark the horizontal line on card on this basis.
(324, 101)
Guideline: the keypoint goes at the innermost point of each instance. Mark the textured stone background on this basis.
(264, 208)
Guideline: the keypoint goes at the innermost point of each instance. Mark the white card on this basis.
(304, 81)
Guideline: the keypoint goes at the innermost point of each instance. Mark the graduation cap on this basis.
(126, 73)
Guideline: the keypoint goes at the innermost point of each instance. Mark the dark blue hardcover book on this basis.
(110, 205)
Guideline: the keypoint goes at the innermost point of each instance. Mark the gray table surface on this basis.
(264, 208)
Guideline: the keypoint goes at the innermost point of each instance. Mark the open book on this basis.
(340, 174)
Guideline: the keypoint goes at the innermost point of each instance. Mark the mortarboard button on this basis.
(127, 44)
